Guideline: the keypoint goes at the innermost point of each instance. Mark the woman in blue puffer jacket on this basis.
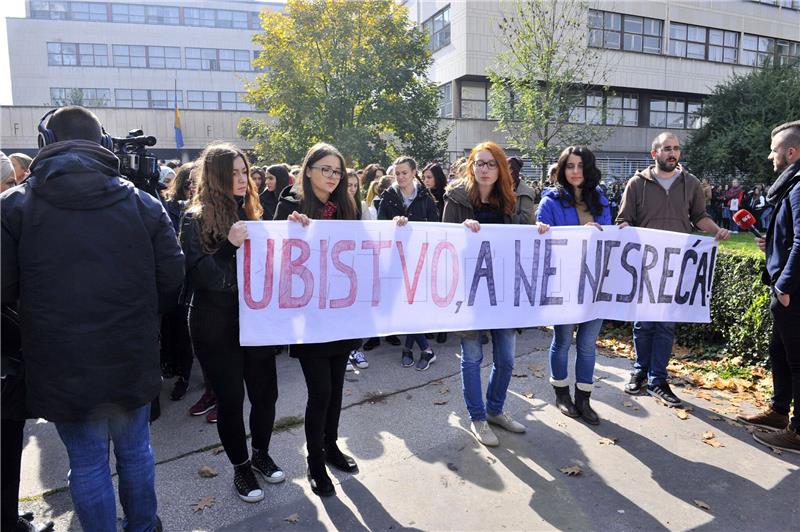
(575, 200)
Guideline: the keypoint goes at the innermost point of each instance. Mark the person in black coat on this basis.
(275, 180)
(211, 232)
(88, 257)
(409, 200)
(322, 195)
(435, 181)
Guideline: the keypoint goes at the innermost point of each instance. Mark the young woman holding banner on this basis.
(409, 200)
(322, 194)
(576, 199)
(211, 231)
(485, 196)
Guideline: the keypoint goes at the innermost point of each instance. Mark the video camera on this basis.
(136, 163)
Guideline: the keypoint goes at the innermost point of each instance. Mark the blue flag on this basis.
(178, 132)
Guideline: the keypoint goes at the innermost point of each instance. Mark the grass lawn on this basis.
(743, 241)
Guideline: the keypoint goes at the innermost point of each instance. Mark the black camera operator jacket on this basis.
(87, 256)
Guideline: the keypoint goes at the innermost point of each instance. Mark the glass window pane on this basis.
(677, 48)
(633, 24)
(611, 40)
(697, 34)
(630, 118)
(731, 38)
(596, 38)
(765, 44)
(715, 53)
(652, 27)
(695, 50)
(676, 105)
(658, 105)
(595, 19)
(658, 119)
(613, 21)
(749, 58)
(675, 120)
(613, 117)
(750, 42)
(677, 31)
(715, 37)
(577, 115)
(633, 42)
(729, 55)
(473, 91)
(614, 102)
(652, 45)
(473, 109)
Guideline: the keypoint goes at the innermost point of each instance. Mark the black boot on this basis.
(335, 457)
(564, 401)
(584, 408)
(317, 475)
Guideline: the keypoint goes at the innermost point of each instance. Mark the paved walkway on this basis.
(642, 467)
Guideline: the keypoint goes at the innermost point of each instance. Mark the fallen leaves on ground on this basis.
(207, 472)
(520, 375)
(442, 402)
(702, 505)
(537, 371)
(203, 503)
(707, 435)
(218, 450)
(682, 414)
(709, 438)
(607, 441)
(571, 471)
(293, 519)
(348, 391)
(529, 395)
(444, 391)
(715, 418)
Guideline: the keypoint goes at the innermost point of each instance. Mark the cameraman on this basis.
(87, 256)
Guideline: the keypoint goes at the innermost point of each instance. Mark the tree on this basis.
(349, 73)
(739, 116)
(546, 70)
(77, 97)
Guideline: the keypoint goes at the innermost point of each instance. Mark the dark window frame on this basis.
(439, 37)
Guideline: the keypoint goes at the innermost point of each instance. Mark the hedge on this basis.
(740, 320)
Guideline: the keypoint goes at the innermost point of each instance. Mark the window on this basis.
(757, 50)
(87, 97)
(163, 57)
(624, 32)
(446, 100)
(49, 9)
(675, 113)
(622, 110)
(130, 56)
(473, 99)
(589, 110)
(202, 100)
(697, 42)
(234, 101)
(162, 15)
(73, 54)
(788, 51)
(198, 17)
(165, 99)
(129, 13)
(220, 18)
(137, 98)
(88, 11)
(438, 29)
(213, 59)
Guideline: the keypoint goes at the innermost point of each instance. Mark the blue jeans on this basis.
(503, 344)
(422, 342)
(90, 485)
(652, 341)
(585, 346)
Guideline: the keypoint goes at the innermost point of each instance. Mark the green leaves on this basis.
(350, 73)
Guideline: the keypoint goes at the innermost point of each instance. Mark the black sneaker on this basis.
(407, 359)
(263, 463)
(320, 482)
(638, 382)
(371, 344)
(393, 340)
(441, 338)
(663, 394)
(179, 389)
(426, 358)
(246, 484)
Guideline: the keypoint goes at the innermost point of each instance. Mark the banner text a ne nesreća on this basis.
(358, 279)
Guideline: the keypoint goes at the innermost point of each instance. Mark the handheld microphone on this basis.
(746, 221)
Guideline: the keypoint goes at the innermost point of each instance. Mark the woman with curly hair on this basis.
(485, 195)
(212, 230)
(576, 199)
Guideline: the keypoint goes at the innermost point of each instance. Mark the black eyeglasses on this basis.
(327, 171)
(480, 164)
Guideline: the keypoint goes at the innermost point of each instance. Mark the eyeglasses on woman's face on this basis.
(489, 164)
(328, 171)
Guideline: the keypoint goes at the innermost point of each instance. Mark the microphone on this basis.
(746, 221)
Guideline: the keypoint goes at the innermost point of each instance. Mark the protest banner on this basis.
(352, 279)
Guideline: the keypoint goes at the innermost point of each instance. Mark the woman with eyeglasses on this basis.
(576, 199)
(485, 195)
(409, 200)
(211, 232)
(321, 194)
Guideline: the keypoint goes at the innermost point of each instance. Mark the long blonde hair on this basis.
(214, 205)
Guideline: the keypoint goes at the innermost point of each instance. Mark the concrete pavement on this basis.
(420, 468)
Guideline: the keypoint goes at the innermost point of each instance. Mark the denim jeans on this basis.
(784, 355)
(90, 485)
(585, 346)
(503, 344)
(420, 339)
(652, 341)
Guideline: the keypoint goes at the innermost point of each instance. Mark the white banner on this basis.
(351, 279)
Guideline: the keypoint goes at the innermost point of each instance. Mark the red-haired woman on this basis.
(321, 194)
(211, 231)
(485, 195)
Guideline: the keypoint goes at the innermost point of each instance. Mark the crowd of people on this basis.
(174, 277)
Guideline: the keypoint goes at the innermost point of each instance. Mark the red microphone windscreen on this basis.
(744, 219)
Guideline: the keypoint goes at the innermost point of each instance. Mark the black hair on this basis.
(439, 178)
(591, 179)
(74, 122)
(345, 205)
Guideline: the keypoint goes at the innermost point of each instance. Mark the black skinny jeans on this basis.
(12, 430)
(784, 355)
(176, 347)
(229, 366)
(324, 380)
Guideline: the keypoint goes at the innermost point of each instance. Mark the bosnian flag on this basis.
(178, 132)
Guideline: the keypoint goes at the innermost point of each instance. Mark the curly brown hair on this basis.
(214, 205)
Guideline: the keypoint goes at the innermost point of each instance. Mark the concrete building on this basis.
(667, 56)
(130, 62)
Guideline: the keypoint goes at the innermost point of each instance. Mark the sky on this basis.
(11, 8)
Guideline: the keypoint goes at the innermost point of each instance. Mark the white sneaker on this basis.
(358, 359)
(507, 422)
(484, 433)
(349, 367)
